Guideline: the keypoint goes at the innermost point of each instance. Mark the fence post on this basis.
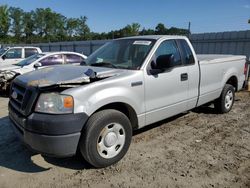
(91, 47)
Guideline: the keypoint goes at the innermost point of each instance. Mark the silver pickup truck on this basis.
(125, 85)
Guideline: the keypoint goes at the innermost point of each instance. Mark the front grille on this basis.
(17, 95)
(22, 98)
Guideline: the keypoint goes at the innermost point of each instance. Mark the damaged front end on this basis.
(54, 78)
(26, 89)
(5, 79)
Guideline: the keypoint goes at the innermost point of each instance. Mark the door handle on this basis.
(184, 76)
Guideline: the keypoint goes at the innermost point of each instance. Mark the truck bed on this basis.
(213, 71)
(217, 58)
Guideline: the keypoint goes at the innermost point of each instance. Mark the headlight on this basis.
(55, 103)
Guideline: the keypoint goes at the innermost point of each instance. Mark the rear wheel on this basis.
(225, 103)
(105, 138)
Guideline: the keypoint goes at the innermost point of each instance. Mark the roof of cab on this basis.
(156, 37)
(22, 47)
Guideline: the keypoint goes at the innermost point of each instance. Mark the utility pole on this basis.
(189, 29)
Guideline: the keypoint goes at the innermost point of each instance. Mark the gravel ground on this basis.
(196, 149)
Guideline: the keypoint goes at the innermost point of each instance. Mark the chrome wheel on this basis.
(111, 140)
(229, 99)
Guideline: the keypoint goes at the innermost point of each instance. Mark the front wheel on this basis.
(225, 103)
(105, 138)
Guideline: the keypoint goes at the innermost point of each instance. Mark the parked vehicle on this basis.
(3, 50)
(12, 55)
(125, 85)
(37, 61)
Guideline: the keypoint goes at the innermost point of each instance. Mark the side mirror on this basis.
(83, 63)
(4, 57)
(162, 63)
(37, 65)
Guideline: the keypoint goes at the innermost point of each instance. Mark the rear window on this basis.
(52, 60)
(30, 51)
(188, 56)
(73, 58)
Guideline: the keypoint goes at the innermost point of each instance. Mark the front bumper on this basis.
(52, 135)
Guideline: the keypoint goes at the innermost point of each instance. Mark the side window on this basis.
(14, 53)
(30, 52)
(188, 56)
(52, 60)
(72, 58)
(169, 48)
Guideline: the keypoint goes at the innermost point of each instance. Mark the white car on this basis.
(37, 61)
(12, 55)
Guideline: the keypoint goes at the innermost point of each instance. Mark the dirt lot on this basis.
(197, 149)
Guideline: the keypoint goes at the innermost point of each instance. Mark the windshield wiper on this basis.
(103, 64)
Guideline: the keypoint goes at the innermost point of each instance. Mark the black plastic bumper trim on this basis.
(50, 124)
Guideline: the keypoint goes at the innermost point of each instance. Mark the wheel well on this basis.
(233, 81)
(125, 109)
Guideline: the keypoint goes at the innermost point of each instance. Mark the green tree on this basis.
(40, 21)
(58, 27)
(49, 25)
(28, 26)
(82, 29)
(147, 32)
(177, 31)
(131, 30)
(71, 27)
(160, 29)
(16, 15)
(4, 21)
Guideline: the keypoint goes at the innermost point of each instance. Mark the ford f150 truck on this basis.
(125, 85)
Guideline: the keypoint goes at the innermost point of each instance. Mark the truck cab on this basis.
(13, 55)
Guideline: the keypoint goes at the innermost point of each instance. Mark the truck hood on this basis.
(66, 75)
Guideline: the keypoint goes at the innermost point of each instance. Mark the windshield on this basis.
(29, 60)
(2, 51)
(124, 54)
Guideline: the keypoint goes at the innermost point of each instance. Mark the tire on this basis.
(105, 138)
(225, 103)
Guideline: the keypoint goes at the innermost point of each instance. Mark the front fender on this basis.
(113, 95)
(91, 97)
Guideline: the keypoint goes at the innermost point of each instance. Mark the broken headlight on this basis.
(55, 103)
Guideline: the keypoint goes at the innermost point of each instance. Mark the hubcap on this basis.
(111, 140)
(229, 99)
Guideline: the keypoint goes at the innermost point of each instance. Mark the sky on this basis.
(107, 15)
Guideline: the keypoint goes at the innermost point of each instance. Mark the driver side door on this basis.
(166, 93)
